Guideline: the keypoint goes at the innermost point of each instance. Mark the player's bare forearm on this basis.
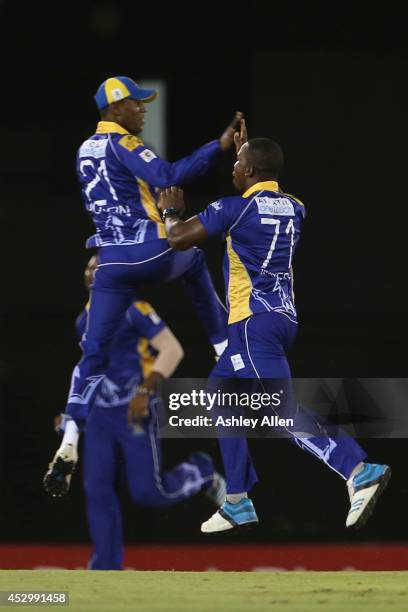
(169, 354)
(183, 235)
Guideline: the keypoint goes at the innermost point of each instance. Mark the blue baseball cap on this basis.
(119, 88)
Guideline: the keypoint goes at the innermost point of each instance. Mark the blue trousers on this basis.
(113, 453)
(257, 349)
(121, 272)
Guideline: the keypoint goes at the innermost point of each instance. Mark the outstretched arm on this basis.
(146, 165)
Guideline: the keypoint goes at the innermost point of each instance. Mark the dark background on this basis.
(329, 86)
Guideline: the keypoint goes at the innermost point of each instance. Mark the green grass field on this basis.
(218, 591)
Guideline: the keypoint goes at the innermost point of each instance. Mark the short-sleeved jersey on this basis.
(130, 355)
(262, 227)
(118, 176)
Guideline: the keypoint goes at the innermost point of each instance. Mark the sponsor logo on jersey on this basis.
(147, 155)
(93, 148)
(216, 205)
(275, 206)
(237, 362)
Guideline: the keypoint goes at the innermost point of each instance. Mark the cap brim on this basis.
(145, 95)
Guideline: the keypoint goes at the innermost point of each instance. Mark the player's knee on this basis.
(148, 496)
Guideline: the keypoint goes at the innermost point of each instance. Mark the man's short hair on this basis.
(266, 157)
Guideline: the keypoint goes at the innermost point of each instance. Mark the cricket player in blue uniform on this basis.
(263, 226)
(118, 176)
(121, 443)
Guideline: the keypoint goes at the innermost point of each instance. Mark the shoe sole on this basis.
(235, 530)
(53, 484)
(373, 501)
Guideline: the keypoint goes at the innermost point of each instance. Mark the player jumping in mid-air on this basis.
(121, 440)
(118, 175)
(263, 227)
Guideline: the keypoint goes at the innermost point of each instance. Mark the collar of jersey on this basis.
(263, 186)
(109, 127)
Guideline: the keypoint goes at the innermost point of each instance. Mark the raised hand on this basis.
(227, 137)
(240, 137)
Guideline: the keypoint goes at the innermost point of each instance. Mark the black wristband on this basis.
(170, 212)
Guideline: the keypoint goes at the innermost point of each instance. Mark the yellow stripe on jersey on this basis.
(294, 198)
(146, 358)
(144, 308)
(149, 205)
(239, 287)
(262, 186)
(130, 142)
(110, 127)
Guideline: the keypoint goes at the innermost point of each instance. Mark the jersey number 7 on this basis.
(290, 229)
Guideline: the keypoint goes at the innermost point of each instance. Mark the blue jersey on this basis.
(130, 355)
(118, 175)
(263, 228)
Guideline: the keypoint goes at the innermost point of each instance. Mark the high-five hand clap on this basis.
(228, 136)
(241, 137)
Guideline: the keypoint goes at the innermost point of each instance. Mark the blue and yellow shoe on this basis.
(364, 489)
(231, 516)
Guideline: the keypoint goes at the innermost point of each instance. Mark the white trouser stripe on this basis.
(187, 487)
(288, 430)
(134, 263)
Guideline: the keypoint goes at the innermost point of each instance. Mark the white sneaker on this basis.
(364, 489)
(58, 478)
(215, 524)
(231, 516)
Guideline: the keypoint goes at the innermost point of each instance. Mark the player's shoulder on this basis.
(143, 307)
(300, 205)
(132, 144)
(226, 202)
(128, 141)
(292, 197)
(295, 204)
(94, 146)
